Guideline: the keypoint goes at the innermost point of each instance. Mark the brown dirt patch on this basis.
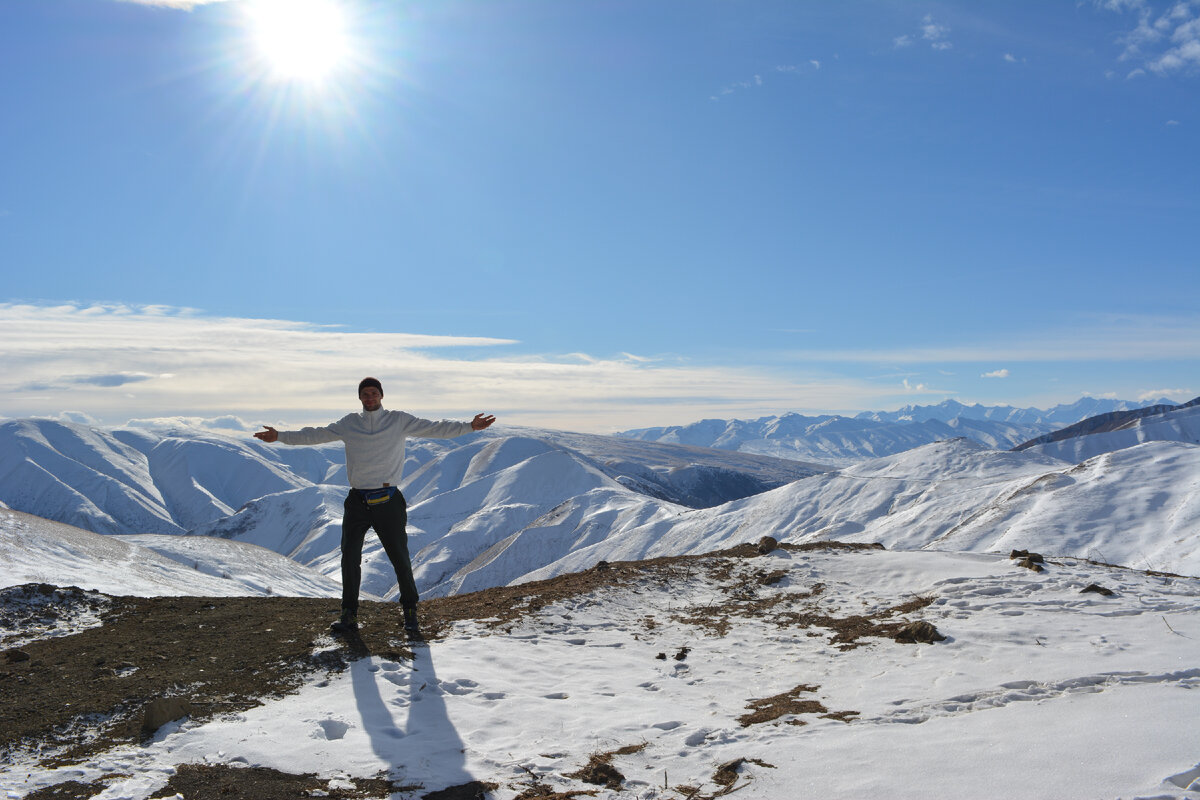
(222, 782)
(600, 771)
(768, 709)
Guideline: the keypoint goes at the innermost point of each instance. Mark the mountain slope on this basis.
(842, 440)
(835, 439)
(1109, 432)
(177, 479)
(1141, 509)
(1056, 417)
(36, 550)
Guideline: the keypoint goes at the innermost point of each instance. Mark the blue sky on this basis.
(598, 215)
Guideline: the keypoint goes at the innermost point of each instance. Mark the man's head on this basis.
(370, 392)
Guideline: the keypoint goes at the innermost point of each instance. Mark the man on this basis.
(374, 442)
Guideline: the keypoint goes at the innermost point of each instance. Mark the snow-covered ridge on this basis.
(176, 479)
(1119, 430)
(844, 440)
(36, 550)
(518, 504)
(471, 499)
(1138, 507)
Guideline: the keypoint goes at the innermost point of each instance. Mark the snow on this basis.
(1137, 507)
(1038, 691)
(1181, 425)
(36, 550)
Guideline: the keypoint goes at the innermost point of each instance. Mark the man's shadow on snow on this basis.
(425, 743)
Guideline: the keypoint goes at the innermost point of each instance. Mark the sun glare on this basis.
(300, 40)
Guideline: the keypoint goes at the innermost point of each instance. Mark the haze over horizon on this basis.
(594, 216)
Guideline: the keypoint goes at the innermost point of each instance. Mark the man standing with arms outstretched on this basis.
(374, 440)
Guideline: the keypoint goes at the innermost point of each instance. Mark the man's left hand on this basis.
(482, 421)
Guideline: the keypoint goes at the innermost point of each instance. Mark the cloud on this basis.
(1182, 395)
(996, 373)
(77, 417)
(115, 363)
(739, 86)
(1164, 40)
(929, 31)
(223, 423)
(935, 33)
(1094, 338)
(757, 81)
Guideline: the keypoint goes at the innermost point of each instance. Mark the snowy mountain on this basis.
(36, 550)
(1059, 416)
(835, 440)
(1120, 429)
(1137, 507)
(520, 504)
(842, 440)
(470, 499)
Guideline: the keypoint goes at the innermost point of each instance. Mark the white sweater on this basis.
(375, 442)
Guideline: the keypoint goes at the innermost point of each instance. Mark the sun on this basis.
(299, 40)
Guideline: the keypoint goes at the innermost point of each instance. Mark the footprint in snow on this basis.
(331, 729)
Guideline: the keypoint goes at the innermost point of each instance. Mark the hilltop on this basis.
(825, 669)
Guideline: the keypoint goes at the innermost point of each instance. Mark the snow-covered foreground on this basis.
(1038, 691)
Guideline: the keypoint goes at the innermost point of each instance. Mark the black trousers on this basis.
(389, 520)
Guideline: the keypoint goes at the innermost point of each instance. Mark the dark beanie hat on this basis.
(365, 382)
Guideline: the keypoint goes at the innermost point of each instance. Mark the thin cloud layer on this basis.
(1126, 338)
(113, 363)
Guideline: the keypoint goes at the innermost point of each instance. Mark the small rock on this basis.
(1025, 554)
(161, 710)
(1030, 563)
(15, 656)
(1098, 589)
(915, 632)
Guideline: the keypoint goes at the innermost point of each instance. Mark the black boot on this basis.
(347, 622)
(410, 623)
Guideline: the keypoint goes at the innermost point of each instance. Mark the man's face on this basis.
(372, 398)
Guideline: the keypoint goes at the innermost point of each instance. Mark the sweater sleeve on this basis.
(309, 436)
(419, 428)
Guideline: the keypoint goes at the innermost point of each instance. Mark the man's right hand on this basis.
(269, 435)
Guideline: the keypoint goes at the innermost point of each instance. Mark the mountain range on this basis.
(516, 504)
(840, 440)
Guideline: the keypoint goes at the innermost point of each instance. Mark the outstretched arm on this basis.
(480, 422)
(269, 435)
